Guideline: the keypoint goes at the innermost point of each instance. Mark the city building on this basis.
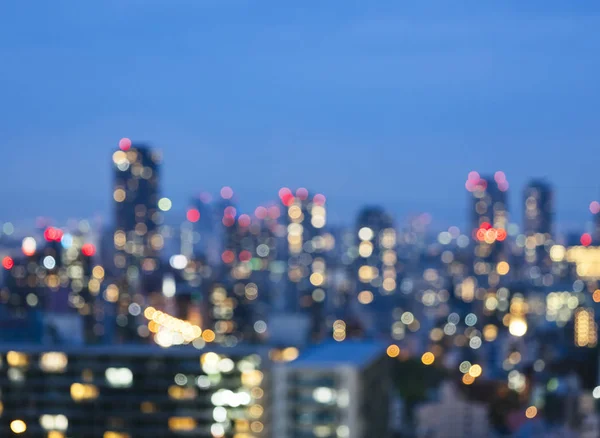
(538, 221)
(336, 389)
(133, 391)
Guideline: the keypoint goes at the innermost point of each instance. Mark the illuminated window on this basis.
(16, 359)
(83, 392)
(119, 377)
(53, 362)
(179, 424)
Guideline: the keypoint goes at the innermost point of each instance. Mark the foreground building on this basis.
(332, 390)
(130, 392)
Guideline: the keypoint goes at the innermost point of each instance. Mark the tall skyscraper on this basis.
(305, 218)
(137, 238)
(376, 265)
(488, 219)
(537, 226)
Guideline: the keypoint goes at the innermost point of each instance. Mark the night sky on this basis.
(387, 102)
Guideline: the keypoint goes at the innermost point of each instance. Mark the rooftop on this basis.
(334, 354)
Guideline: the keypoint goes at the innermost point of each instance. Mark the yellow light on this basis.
(365, 297)
(17, 359)
(53, 362)
(119, 195)
(557, 253)
(475, 371)
(393, 351)
(289, 354)
(55, 434)
(111, 434)
(208, 335)
(18, 426)
(502, 268)
(365, 249)
(517, 326)
(531, 412)
(317, 279)
(490, 332)
(98, 272)
(182, 423)
(111, 294)
(428, 358)
(468, 379)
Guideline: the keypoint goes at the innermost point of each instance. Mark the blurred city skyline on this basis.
(390, 105)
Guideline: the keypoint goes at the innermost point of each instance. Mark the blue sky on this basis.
(386, 102)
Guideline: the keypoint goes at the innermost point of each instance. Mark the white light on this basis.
(217, 430)
(203, 382)
(181, 379)
(164, 204)
(119, 377)
(226, 365)
(323, 395)
(596, 392)
(365, 233)
(517, 327)
(168, 287)
(29, 246)
(220, 414)
(178, 261)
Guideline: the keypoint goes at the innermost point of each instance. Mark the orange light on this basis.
(393, 351)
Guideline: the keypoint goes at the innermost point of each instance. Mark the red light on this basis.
(226, 192)
(500, 177)
(284, 191)
(595, 207)
(274, 212)
(287, 199)
(228, 221)
(8, 262)
(501, 234)
(586, 239)
(230, 211)
(319, 199)
(227, 256)
(88, 250)
(485, 225)
(125, 144)
(52, 234)
(473, 176)
(480, 234)
(260, 212)
(302, 193)
(193, 215)
(244, 220)
(245, 256)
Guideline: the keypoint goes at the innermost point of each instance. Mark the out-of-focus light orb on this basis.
(596, 392)
(586, 239)
(475, 370)
(428, 358)
(365, 297)
(88, 250)
(18, 426)
(365, 233)
(393, 350)
(29, 246)
(8, 228)
(7, 262)
(517, 327)
(557, 253)
(595, 207)
(164, 204)
(531, 412)
(502, 268)
(66, 241)
(49, 262)
(226, 192)
(178, 261)
(125, 144)
(193, 215)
